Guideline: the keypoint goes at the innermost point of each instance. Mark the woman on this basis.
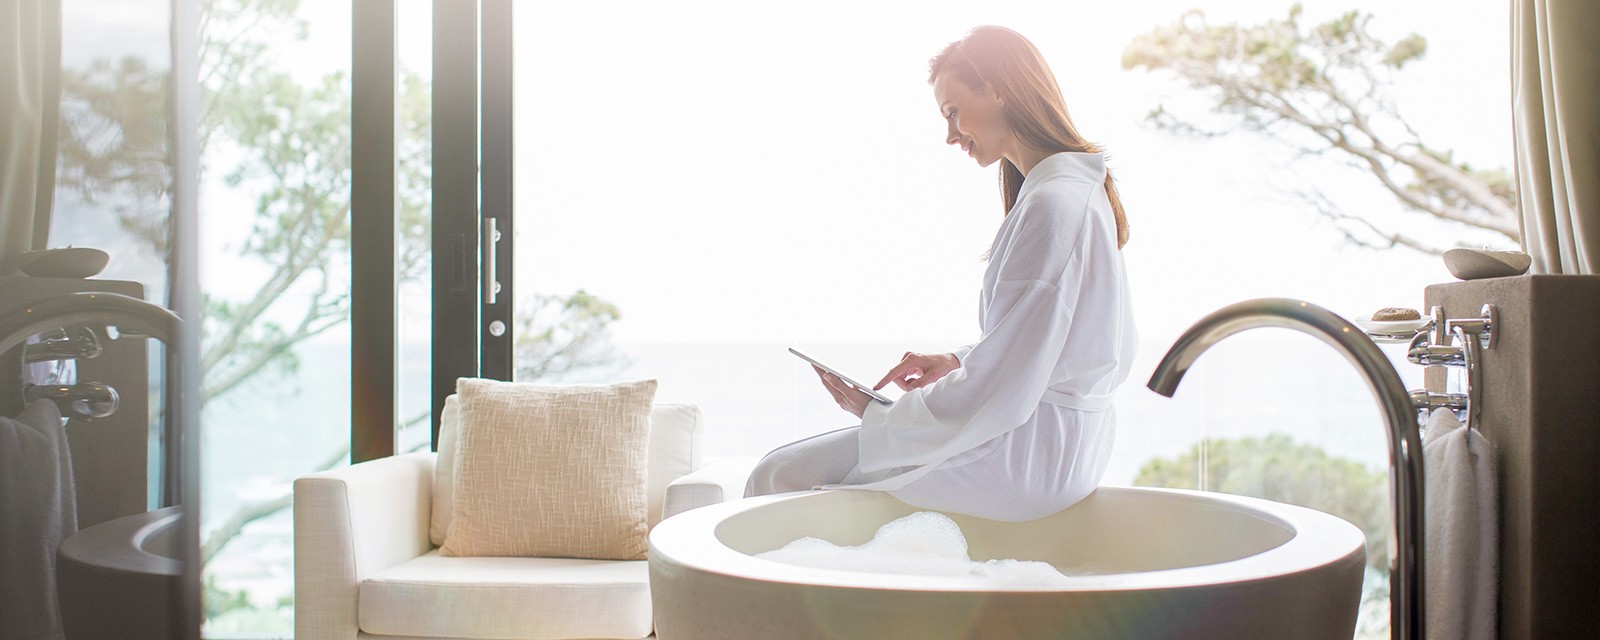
(1018, 425)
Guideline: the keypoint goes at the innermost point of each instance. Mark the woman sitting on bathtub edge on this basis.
(1019, 424)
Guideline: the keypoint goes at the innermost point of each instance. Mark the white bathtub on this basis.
(1145, 563)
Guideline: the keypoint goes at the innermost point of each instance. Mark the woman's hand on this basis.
(849, 398)
(917, 370)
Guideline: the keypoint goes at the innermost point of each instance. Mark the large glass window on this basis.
(414, 257)
(111, 181)
(275, 210)
(703, 184)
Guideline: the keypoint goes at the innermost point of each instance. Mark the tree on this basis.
(565, 336)
(1326, 91)
(1278, 469)
(288, 142)
(1275, 468)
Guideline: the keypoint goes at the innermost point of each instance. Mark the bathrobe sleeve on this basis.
(1003, 376)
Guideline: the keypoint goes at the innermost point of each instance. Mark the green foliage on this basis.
(113, 144)
(1276, 468)
(219, 601)
(1407, 49)
(1282, 54)
(287, 142)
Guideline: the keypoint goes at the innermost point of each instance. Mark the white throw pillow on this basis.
(675, 451)
(551, 471)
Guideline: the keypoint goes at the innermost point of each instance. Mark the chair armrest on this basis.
(720, 480)
(349, 523)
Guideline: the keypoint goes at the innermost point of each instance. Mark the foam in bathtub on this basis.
(923, 543)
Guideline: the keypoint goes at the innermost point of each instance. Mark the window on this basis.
(730, 180)
(108, 196)
(275, 203)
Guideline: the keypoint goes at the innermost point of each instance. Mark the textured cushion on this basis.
(434, 596)
(551, 471)
(675, 449)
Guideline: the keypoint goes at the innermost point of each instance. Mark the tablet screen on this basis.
(847, 380)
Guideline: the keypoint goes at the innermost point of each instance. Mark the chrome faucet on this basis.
(76, 342)
(1400, 421)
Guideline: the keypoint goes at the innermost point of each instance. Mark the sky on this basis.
(739, 171)
(734, 172)
(728, 172)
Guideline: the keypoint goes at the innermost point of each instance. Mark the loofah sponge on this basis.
(1389, 314)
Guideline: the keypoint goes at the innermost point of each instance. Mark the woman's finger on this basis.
(898, 374)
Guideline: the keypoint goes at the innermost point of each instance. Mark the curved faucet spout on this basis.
(1400, 422)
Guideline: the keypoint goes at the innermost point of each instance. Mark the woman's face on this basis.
(973, 120)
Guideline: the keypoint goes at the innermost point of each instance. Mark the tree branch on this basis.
(1328, 81)
(1326, 208)
(231, 527)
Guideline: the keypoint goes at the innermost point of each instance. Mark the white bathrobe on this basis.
(1024, 427)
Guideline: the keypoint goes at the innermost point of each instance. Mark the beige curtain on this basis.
(1555, 95)
(29, 94)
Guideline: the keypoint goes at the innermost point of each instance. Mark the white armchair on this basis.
(366, 565)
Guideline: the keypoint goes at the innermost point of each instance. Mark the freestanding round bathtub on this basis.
(1142, 563)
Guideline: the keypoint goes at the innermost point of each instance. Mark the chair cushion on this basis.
(551, 471)
(523, 598)
(675, 449)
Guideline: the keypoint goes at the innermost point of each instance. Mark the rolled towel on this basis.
(1462, 528)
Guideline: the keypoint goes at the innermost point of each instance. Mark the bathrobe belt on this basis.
(1095, 402)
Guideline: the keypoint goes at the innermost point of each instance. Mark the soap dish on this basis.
(1392, 331)
(1473, 264)
(66, 262)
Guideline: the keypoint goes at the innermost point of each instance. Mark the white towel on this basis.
(1462, 525)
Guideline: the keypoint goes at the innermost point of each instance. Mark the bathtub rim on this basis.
(127, 544)
(688, 540)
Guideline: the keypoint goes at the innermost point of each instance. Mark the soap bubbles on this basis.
(923, 543)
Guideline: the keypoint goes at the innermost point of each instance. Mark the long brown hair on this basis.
(1001, 60)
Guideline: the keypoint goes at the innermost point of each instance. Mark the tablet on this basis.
(861, 387)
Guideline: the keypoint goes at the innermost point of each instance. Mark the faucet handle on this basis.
(75, 342)
(84, 399)
(1482, 326)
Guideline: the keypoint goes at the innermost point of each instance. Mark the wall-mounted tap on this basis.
(67, 343)
(1455, 343)
(1400, 423)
